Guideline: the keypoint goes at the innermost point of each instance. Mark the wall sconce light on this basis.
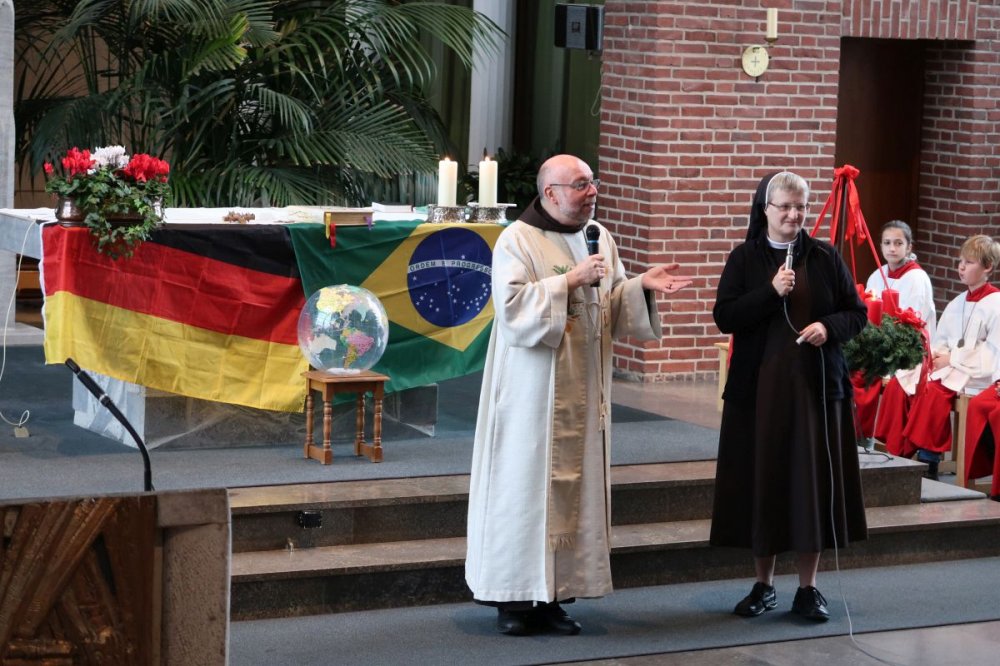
(756, 58)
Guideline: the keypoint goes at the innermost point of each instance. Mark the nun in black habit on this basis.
(787, 476)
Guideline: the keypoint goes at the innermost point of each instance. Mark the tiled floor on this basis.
(961, 645)
(694, 401)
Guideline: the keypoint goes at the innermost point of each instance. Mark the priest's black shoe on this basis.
(761, 598)
(513, 623)
(810, 604)
(932, 471)
(552, 616)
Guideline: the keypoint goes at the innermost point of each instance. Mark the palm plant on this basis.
(266, 102)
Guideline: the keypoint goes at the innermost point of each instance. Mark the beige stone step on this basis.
(271, 517)
(422, 571)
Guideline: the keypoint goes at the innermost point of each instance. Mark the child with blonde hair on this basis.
(965, 355)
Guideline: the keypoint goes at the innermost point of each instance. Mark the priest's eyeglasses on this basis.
(787, 208)
(580, 185)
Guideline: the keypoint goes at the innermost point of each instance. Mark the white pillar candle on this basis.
(487, 183)
(772, 23)
(447, 182)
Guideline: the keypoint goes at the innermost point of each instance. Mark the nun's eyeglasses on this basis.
(580, 185)
(787, 208)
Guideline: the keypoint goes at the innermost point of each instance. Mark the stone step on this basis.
(276, 517)
(329, 579)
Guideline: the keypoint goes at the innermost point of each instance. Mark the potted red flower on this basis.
(120, 198)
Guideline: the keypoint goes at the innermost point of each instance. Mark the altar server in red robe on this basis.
(982, 437)
(904, 275)
(965, 354)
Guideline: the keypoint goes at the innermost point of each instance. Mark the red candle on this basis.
(874, 311)
(890, 302)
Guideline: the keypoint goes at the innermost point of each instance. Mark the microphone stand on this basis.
(105, 400)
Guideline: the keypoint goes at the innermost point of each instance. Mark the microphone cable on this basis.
(864, 451)
(833, 524)
(26, 414)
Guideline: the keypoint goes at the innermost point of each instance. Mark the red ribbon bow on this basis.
(910, 318)
(855, 227)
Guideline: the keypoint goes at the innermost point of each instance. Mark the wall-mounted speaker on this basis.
(579, 26)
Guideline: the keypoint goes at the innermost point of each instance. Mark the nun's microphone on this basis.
(789, 258)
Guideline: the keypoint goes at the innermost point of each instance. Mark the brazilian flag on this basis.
(432, 279)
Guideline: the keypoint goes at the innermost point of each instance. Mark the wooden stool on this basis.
(328, 385)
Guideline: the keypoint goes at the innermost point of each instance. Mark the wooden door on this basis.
(879, 113)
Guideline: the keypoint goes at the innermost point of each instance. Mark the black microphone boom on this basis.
(593, 235)
(105, 400)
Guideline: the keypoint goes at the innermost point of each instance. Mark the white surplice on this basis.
(525, 543)
(975, 363)
(915, 292)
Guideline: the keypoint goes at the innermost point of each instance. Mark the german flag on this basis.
(433, 279)
(208, 312)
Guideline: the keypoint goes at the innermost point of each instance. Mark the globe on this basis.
(343, 329)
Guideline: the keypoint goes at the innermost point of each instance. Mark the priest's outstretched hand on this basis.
(659, 278)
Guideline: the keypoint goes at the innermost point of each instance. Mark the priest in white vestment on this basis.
(539, 499)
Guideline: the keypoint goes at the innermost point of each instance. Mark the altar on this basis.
(208, 311)
(19, 235)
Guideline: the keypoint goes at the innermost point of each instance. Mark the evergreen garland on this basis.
(879, 351)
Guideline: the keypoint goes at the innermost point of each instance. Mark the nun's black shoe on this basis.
(513, 623)
(810, 604)
(761, 598)
(552, 615)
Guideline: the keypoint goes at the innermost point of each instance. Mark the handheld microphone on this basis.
(593, 235)
(790, 257)
(105, 400)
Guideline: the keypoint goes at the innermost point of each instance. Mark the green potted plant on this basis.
(120, 198)
(256, 102)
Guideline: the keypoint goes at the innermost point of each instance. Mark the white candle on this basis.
(487, 183)
(447, 182)
(772, 24)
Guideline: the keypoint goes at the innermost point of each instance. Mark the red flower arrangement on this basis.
(107, 187)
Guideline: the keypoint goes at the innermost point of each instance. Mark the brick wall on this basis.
(686, 136)
(960, 165)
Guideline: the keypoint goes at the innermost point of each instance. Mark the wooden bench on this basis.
(28, 280)
(328, 385)
(956, 464)
(723, 348)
